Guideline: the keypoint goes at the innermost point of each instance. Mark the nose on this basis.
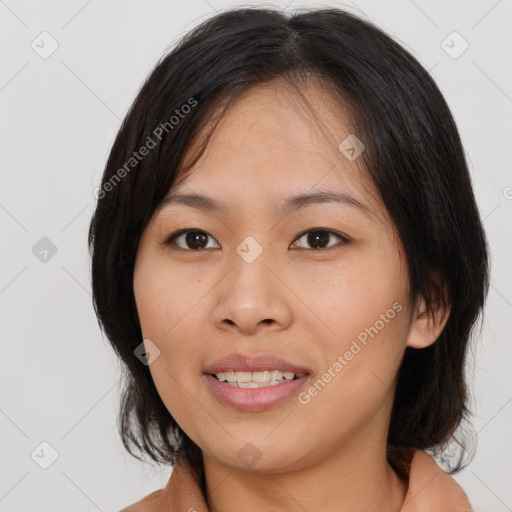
(253, 296)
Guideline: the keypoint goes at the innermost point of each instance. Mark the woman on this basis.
(288, 258)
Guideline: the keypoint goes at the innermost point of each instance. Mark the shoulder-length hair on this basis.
(414, 157)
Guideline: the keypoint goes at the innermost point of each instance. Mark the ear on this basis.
(425, 328)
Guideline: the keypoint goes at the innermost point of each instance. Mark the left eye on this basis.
(319, 238)
(197, 240)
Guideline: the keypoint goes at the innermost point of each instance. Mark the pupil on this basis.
(316, 236)
(195, 238)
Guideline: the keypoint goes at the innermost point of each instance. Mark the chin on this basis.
(253, 454)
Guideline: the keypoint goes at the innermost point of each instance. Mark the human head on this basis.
(413, 157)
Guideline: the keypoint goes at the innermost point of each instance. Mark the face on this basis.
(321, 286)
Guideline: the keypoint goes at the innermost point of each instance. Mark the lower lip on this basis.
(254, 399)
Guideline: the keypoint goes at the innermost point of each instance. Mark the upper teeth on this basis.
(259, 377)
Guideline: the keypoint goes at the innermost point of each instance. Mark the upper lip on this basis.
(243, 363)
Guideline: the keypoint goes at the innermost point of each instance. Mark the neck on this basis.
(350, 480)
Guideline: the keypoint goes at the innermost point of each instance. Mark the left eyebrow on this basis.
(293, 203)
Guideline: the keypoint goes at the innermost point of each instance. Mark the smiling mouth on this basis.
(261, 379)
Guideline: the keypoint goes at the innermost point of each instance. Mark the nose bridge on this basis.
(250, 249)
(250, 264)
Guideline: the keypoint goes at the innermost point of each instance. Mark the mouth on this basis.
(260, 379)
(254, 383)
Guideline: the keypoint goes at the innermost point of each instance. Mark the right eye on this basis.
(193, 240)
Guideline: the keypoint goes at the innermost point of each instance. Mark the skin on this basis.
(306, 307)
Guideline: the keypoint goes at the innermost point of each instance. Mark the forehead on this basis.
(273, 142)
(280, 117)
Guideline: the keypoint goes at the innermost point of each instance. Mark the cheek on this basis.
(181, 398)
(371, 333)
(357, 385)
(168, 314)
(361, 299)
(162, 297)
(169, 319)
(365, 310)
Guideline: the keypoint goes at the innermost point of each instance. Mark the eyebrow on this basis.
(293, 203)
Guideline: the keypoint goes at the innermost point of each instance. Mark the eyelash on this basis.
(170, 239)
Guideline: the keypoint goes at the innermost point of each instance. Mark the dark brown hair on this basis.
(413, 155)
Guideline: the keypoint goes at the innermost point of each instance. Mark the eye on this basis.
(319, 238)
(197, 240)
(192, 238)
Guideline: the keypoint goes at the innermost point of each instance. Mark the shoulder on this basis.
(431, 488)
(153, 502)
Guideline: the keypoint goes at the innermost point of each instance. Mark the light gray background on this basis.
(59, 117)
